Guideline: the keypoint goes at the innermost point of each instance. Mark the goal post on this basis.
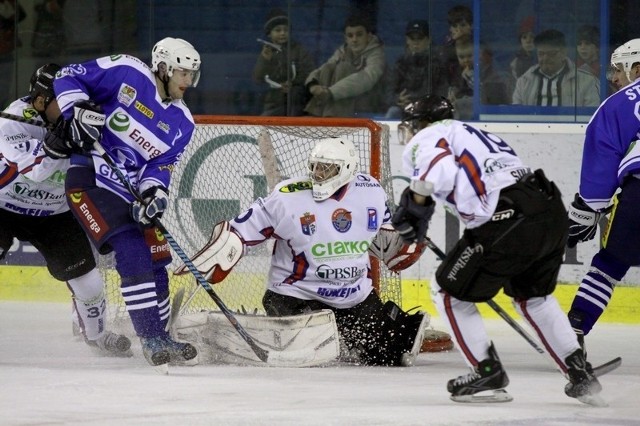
(231, 161)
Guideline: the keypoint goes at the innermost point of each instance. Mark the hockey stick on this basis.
(261, 353)
(20, 119)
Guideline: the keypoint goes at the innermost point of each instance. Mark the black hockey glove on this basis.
(86, 125)
(411, 219)
(156, 200)
(56, 142)
(583, 222)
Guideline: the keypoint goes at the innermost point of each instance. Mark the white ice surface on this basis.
(48, 378)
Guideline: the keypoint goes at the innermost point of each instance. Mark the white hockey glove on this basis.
(411, 219)
(87, 123)
(221, 253)
(155, 202)
(583, 222)
(389, 247)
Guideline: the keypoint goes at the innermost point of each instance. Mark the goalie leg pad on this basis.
(221, 253)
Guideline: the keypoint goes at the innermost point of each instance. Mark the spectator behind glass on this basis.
(416, 72)
(460, 21)
(283, 68)
(588, 47)
(555, 81)
(525, 57)
(495, 87)
(348, 82)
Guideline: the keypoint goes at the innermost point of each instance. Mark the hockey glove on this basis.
(583, 222)
(411, 219)
(155, 202)
(56, 143)
(86, 125)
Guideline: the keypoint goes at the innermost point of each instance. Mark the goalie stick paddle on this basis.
(261, 353)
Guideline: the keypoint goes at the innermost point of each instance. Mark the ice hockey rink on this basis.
(48, 378)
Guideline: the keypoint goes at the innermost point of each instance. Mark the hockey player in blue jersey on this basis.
(609, 179)
(137, 114)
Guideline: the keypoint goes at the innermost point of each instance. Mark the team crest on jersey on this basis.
(372, 219)
(341, 220)
(308, 223)
(126, 95)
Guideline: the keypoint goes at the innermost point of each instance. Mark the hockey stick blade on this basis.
(498, 395)
(607, 367)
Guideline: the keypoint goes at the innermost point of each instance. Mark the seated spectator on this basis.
(525, 57)
(495, 87)
(588, 47)
(460, 21)
(283, 67)
(416, 72)
(555, 81)
(348, 82)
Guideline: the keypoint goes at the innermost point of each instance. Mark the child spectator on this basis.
(416, 72)
(525, 57)
(555, 81)
(283, 66)
(348, 82)
(588, 47)
(460, 21)
(495, 88)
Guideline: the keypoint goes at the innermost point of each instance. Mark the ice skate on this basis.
(485, 384)
(112, 344)
(156, 353)
(180, 353)
(583, 385)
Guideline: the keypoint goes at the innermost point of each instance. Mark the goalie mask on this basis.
(420, 113)
(177, 55)
(625, 56)
(332, 164)
(41, 83)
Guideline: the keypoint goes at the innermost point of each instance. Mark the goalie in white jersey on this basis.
(33, 208)
(325, 227)
(515, 234)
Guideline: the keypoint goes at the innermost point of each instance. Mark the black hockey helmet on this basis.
(41, 83)
(430, 108)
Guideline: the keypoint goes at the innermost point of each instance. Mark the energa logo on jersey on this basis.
(135, 135)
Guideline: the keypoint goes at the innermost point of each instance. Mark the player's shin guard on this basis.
(595, 291)
(89, 303)
(162, 289)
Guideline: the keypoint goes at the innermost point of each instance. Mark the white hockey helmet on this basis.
(176, 53)
(626, 55)
(333, 163)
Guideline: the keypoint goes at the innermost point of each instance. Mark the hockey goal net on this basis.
(229, 163)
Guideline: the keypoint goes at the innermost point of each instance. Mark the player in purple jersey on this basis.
(514, 240)
(33, 209)
(610, 175)
(138, 116)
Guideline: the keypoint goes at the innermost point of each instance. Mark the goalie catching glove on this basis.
(389, 247)
(221, 253)
(411, 219)
(583, 222)
(154, 202)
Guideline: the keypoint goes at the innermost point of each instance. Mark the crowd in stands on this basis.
(358, 80)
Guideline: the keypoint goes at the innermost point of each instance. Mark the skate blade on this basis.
(162, 369)
(593, 400)
(185, 362)
(491, 396)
